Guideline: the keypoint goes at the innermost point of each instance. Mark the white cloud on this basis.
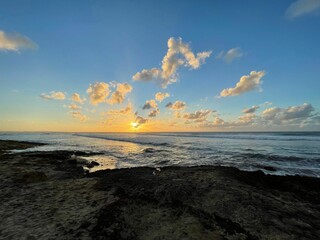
(160, 96)
(302, 7)
(251, 109)
(15, 42)
(53, 96)
(150, 104)
(176, 106)
(178, 54)
(154, 112)
(119, 95)
(98, 92)
(76, 98)
(247, 83)
(230, 55)
(74, 106)
(79, 116)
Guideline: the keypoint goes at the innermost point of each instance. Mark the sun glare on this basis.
(134, 124)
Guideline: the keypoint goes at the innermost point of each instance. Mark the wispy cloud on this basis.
(53, 96)
(303, 7)
(178, 54)
(74, 106)
(15, 42)
(124, 111)
(230, 55)
(78, 115)
(247, 83)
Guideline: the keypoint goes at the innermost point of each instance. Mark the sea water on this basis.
(286, 152)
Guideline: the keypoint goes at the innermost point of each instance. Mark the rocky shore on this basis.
(49, 195)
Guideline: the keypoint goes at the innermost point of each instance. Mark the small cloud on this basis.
(154, 112)
(198, 116)
(251, 109)
(53, 96)
(76, 98)
(230, 55)
(78, 115)
(126, 110)
(302, 7)
(74, 106)
(150, 104)
(119, 95)
(178, 54)
(160, 96)
(98, 92)
(247, 83)
(176, 106)
(15, 42)
(139, 121)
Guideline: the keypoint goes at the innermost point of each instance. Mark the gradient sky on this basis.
(258, 67)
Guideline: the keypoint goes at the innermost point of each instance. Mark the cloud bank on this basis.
(178, 54)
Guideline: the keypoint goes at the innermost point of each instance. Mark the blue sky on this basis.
(76, 43)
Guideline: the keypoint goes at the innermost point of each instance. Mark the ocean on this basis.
(281, 153)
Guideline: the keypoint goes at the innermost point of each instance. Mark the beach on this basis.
(52, 195)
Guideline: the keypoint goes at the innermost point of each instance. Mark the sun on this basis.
(134, 124)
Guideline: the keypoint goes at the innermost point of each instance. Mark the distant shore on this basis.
(49, 195)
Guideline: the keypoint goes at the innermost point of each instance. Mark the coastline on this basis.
(47, 195)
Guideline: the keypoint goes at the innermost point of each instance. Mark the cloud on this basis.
(150, 104)
(247, 83)
(176, 106)
(160, 96)
(178, 54)
(139, 121)
(251, 109)
(198, 116)
(302, 7)
(230, 55)
(79, 116)
(287, 115)
(15, 42)
(119, 95)
(76, 98)
(98, 92)
(74, 106)
(154, 112)
(126, 110)
(53, 96)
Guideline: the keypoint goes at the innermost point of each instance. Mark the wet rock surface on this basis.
(45, 196)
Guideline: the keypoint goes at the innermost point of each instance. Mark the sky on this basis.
(141, 66)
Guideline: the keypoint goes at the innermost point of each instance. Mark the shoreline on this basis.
(47, 195)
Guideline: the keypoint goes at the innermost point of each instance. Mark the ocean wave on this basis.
(126, 140)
